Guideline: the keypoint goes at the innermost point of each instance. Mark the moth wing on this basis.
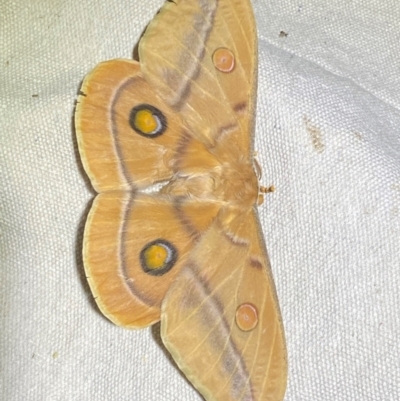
(128, 277)
(114, 151)
(220, 319)
(213, 91)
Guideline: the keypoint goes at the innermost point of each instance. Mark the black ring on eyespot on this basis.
(156, 112)
(169, 262)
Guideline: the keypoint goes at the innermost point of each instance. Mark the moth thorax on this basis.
(235, 184)
(240, 185)
(193, 186)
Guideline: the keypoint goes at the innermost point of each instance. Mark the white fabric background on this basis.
(328, 125)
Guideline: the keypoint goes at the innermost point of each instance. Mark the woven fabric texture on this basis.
(327, 137)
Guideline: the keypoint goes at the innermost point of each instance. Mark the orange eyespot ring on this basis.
(223, 60)
(246, 317)
(147, 121)
(158, 257)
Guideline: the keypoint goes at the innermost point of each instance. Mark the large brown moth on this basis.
(188, 251)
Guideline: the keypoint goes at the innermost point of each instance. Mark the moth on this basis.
(173, 234)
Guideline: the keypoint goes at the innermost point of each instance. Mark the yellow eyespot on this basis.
(223, 60)
(155, 256)
(147, 121)
(158, 257)
(246, 317)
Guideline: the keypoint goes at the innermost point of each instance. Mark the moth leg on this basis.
(264, 190)
(267, 190)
